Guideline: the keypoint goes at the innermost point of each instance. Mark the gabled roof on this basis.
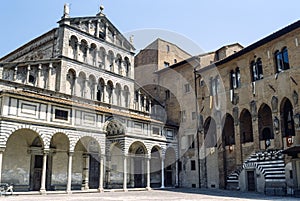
(99, 16)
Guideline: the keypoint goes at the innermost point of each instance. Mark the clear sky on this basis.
(208, 24)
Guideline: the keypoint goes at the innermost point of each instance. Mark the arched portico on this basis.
(138, 156)
(25, 172)
(87, 169)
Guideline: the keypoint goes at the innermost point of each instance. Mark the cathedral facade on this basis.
(73, 118)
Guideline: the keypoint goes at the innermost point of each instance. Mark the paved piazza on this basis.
(166, 195)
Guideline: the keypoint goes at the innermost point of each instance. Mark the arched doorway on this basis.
(155, 168)
(287, 122)
(265, 126)
(115, 172)
(170, 167)
(86, 164)
(25, 147)
(246, 129)
(138, 154)
(227, 154)
(210, 133)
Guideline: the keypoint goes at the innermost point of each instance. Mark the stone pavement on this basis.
(153, 195)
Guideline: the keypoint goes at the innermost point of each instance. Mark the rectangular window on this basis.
(61, 114)
(193, 165)
(167, 94)
(187, 88)
(155, 130)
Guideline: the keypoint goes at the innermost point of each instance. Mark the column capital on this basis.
(70, 153)
(46, 151)
(2, 149)
(40, 67)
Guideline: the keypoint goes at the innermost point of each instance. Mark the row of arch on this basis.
(267, 125)
(82, 166)
(99, 57)
(97, 89)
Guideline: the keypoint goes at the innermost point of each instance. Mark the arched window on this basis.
(102, 55)
(109, 90)
(73, 43)
(119, 63)
(210, 133)
(84, 49)
(118, 94)
(126, 96)
(256, 70)
(70, 85)
(228, 132)
(81, 83)
(100, 90)
(91, 84)
(246, 130)
(127, 66)
(282, 60)
(93, 53)
(111, 60)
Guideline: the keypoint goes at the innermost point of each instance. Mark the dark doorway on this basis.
(251, 180)
(94, 172)
(37, 173)
(138, 172)
(169, 176)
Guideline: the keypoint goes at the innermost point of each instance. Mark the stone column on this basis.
(69, 172)
(49, 77)
(150, 106)
(256, 134)
(131, 172)
(39, 76)
(85, 186)
(44, 172)
(15, 73)
(176, 173)
(105, 94)
(95, 91)
(238, 146)
(27, 74)
(162, 172)
(148, 173)
(108, 168)
(125, 174)
(100, 189)
(97, 28)
(1, 157)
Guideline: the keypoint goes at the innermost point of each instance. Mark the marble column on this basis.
(27, 74)
(148, 173)
(49, 77)
(69, 172)
(1, 157)
(39, 76)
(100, 189)
(15, 73)
(125, 174)
(86, 158)
(176, 174)
(162, 172)
(44, 172)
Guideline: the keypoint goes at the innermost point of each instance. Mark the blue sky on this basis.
(208, 24)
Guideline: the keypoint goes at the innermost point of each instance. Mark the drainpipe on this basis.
(197, 125)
